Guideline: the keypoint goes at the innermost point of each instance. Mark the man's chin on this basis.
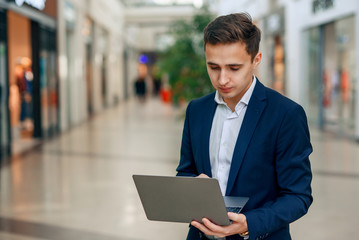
(226, 96)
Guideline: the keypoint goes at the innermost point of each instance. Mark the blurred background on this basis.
(93, 91)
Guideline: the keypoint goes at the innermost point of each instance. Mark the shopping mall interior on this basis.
(93, 92)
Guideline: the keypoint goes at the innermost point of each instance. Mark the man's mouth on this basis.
(225, 90)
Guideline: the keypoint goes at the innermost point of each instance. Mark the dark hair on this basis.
(233, 28)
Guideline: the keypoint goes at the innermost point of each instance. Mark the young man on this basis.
(249, 137)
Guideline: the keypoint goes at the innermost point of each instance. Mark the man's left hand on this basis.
(238, 226)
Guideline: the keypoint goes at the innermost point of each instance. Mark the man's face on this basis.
(230, 69)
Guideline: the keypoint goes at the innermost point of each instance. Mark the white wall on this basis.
(107, 15)
(72, 85)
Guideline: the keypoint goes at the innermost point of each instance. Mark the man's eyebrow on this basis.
(234, 65)
(229, 65)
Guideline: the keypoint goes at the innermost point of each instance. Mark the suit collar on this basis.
(259, 91)
(253, 113)
(206, 127)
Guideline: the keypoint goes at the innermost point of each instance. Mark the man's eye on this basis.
(215, 68)
(234, 69)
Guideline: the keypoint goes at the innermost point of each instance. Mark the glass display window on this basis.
(4, 109)
(330, 65)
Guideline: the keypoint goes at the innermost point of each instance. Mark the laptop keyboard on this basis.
(234, 209)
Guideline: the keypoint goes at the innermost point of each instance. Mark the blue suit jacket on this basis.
(270, 162)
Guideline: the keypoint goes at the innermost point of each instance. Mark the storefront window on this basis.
(278, 64)
(21, 81)
(4, 141)
(48, 82)
(102, 46)
(70, 16)
(346, 49)
(4, 132)
(313, 66)
(274, 45)
(88, 36)
(331, 75)
(27, 76)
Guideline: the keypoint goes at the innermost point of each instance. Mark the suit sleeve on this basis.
(293, 178)
(187, 166)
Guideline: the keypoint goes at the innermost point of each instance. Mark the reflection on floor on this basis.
(79, 185)
(24, 145)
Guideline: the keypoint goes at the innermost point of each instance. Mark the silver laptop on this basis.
(183, 199)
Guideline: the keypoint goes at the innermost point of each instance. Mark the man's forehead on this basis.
(227, 54)
(234, 51)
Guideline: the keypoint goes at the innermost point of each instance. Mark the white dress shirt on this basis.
(224, 133)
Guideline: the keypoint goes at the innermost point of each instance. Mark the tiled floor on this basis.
(79, 185)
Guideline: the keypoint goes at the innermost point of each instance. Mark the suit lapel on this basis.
(254, 110)
(206, 131)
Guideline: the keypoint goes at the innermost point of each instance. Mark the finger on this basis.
(235, 217)
(239, 222)
(219, 230)
(202, 228)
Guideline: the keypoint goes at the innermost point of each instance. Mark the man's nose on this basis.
(223, 78)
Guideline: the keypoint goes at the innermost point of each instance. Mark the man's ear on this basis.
(257, 59)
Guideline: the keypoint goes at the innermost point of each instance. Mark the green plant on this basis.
(184, 60)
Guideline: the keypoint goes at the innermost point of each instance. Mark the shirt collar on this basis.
(245, 99)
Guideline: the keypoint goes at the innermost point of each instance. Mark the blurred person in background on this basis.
(251, 138)
(26, 94)
(156, 78)
(21, 99)
(141, 82)
(140, 88)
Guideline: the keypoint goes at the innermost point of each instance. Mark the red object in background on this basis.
(166, 95)
(345, 86)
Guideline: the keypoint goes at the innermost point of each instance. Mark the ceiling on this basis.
(143, 3)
